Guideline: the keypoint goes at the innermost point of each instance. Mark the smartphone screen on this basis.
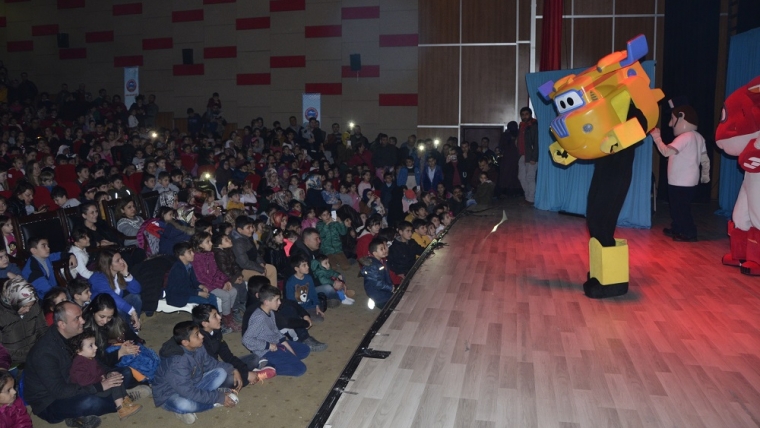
(334, 215)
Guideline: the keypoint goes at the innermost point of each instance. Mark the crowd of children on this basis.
(260, 227)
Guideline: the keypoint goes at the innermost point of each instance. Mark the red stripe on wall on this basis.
(45, 30)
(3, 22)
(286, 5)
(366, 71)
(254, 79)
(158, 43)
(317, 31)
(217, 1)
(220, 52)
(257, 23)
(187, 15)
(73, 53)
(324, 88)
(397, 40)
(70, 4)
(390, 100)
(188, 70)
(128, 61)
(287, 61)
(127, 9)
(20, 46)
(366, 12)
(98, 36)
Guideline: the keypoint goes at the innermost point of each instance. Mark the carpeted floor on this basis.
(280, 402)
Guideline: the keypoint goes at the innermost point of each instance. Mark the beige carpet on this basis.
(280, 402)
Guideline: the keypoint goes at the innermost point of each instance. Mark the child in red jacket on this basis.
(12, 410)
(85, 371)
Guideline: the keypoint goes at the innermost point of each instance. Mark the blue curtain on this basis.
(743, 66)
(564, 188)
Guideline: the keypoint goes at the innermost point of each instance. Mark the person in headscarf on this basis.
(223, 174)
(272, 180)
(314, 197)
(282, 199)
(166, 199)
(21, 319)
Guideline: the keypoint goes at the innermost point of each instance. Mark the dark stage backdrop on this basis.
(690, 55)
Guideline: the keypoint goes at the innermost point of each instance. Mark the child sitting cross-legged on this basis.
(252, 368)
(292, 320)
(189, 380)
(264, 338)
(86, 371)
(182, 285)
(324, 275)
(300, 288)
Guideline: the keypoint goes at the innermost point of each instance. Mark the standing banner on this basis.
(131, 85)
(311, 106)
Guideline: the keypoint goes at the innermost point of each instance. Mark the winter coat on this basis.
(85, 371)
(403, 255)
(403, 174)
(225, 260)
(180, 372)
(277, 258)
(377, 281)
(18, 335)
(181, 285)
(321, 275)
(36, 275)
(170, 237)
(330, 234)
(207, 271)
(15, 415)
(428, 184)
(246, 254)
(145, 362)
(362, 244)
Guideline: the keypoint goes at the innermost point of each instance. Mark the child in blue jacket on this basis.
(377, 280)
(39, 268)
(183, 287)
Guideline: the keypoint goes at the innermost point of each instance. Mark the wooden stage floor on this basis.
(494, 331)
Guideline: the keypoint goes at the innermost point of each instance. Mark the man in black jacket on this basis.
(46, 386)
(252, 368)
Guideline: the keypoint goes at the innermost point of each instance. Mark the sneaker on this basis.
(265, 373)
(347, 301)
(333, 303)
(128, 408)
(138, 392)
(263, 363)
(314, 345)
(188, 418)
(83, 422)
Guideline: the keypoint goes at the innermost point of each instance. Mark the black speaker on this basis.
(63, 40)
(356, 62)
(187, 56)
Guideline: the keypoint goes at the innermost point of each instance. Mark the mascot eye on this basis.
(723, 115)
(568, 101)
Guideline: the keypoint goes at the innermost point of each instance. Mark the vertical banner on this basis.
(131, 85)
(311, 106)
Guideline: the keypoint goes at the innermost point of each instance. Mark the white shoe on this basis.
(347, 301)
(188, 418)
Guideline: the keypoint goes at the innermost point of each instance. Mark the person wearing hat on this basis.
(21, 319)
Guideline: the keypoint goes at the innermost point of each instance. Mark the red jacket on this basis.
(15, 415)
(364, 158)
(207, 271)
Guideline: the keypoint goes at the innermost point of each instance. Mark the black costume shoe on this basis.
(682, 238)
(322, 301)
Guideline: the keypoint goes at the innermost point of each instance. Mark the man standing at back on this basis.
(46, 384)
(527, 145)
